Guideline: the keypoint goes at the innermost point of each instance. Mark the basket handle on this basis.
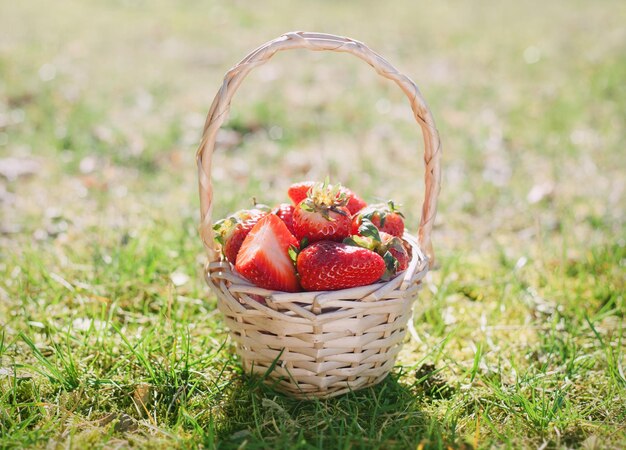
(317, 41)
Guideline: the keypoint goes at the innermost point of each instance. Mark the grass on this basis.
(109, 337)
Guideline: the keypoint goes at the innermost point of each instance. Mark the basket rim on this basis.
(217, 271)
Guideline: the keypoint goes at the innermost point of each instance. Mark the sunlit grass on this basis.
(109, 336)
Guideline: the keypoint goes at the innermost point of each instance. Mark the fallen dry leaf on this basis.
(141, 398)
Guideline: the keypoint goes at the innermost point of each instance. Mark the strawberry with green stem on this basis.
(391, 248)
(384, 216)
(231, 231)
(322, 215)
(299, 191)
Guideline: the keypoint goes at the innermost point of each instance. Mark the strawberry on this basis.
(398, 250)
(355, 203)
(232, 231)
(285, 212)
(298, 192)
(328, 265)
(385, 217)
(392, 248)
(264, 256)
(322, 215)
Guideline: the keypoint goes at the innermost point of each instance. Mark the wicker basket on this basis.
(318, 344)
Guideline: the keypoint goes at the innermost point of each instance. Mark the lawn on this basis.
(109, 337)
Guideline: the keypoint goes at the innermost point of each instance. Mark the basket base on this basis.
(287, 388)
(326, 371)
(319, 344)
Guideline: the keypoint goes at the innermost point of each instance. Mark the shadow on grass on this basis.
(387, 416)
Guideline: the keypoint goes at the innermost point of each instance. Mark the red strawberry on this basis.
(322, 215)
(298, 191)
(385, 217)
(397, 248)
(355, 203)
(231, 232)
(285, 212)
(327, 266)
(264, 256)
(392, 248)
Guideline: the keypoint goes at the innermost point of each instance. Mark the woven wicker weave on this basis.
(318, 344)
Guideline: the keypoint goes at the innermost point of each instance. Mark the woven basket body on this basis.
(318, 344)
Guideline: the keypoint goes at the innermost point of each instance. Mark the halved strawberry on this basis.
(264, 256)
(322, 215)
(285, 212)
(392, 248)
(327, 266)
(231, 231)
(385, 217)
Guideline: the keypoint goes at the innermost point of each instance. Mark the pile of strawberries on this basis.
(327, 239)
